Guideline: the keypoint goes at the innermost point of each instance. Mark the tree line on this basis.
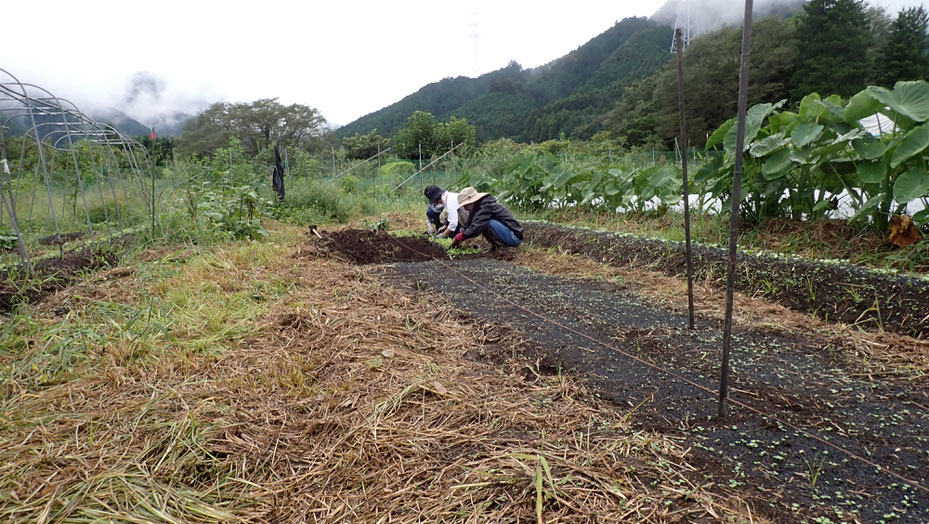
(260, 125)
(622, 85)
(831, 47)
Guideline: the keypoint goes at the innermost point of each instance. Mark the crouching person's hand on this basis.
(459, 238)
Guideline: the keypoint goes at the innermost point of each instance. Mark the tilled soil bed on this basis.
(51, 274)
(834, 291)
(368, 247)
(795, 380)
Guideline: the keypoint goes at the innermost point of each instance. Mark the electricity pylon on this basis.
(687, 24)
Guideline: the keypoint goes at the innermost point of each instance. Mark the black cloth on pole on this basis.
(277, 179)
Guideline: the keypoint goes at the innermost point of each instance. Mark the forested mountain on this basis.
(562, 96)
(825, 49)
(624, 81)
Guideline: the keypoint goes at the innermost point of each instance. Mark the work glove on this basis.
(459, 238)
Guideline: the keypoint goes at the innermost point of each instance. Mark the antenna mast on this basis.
(474, 40)
(686, 22)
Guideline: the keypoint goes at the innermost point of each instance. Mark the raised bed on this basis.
(835, 291)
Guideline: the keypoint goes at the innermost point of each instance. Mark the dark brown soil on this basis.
(53, 273)
(801, 379)
(53, 240)
(833, 291)
(367, 247)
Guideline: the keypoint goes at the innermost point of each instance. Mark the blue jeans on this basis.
(498, 234)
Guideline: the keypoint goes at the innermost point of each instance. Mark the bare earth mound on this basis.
(367, 247)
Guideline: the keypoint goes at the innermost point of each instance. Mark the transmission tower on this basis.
(474, 41)
(686, 22)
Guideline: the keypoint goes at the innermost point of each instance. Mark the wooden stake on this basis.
(734, 214)
(687, 251)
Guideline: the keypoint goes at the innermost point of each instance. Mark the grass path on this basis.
(268, 382)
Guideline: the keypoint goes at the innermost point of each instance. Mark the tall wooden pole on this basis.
(687, 252)
(734, 213)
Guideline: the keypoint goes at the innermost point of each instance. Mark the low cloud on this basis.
(710, 15)
(153, 100)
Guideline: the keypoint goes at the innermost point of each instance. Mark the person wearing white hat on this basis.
(490, 218)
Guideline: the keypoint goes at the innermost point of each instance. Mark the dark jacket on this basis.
(488, 208)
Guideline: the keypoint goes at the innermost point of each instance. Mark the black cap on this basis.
(433, 193)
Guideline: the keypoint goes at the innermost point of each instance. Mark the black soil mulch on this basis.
(833, 291)
(367, 247)
(800, 379)
(53, 273)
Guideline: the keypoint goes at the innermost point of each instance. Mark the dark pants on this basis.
(433, 217)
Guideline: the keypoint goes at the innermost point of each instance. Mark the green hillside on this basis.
(561, 97)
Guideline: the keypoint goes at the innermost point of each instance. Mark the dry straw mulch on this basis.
(350, 402)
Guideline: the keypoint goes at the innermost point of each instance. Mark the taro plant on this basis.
(543, 181)
(800, 164)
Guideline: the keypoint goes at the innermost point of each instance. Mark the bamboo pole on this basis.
(687, 251)
(734, 214)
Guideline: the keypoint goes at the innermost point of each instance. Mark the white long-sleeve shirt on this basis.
(451, 204)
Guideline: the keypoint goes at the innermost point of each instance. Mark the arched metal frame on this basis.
(101, 160)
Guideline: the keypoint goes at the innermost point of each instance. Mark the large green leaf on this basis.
(708, 170)
(862, 105)
(754, 118)
(717, 137)
(868, 149)
(833, 105)
(871, 172)
(829, 150)
(921, 217)
(853, 134)
(911, 185)
(768, 144)
(617, 172)
(665, 176)
(566, 176)
(910, 99)
(671, 198)
(806, 132)
(611, 188)
(801, 156)
(781, 121)
(914, 143)
(811, 107)
(777, 165)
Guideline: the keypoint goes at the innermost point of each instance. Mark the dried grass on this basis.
(345, 401)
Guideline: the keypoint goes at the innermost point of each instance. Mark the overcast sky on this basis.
(344, 58)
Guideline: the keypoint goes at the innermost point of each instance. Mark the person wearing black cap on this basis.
(438, 197)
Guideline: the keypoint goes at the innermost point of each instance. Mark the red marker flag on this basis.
(153, 133)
